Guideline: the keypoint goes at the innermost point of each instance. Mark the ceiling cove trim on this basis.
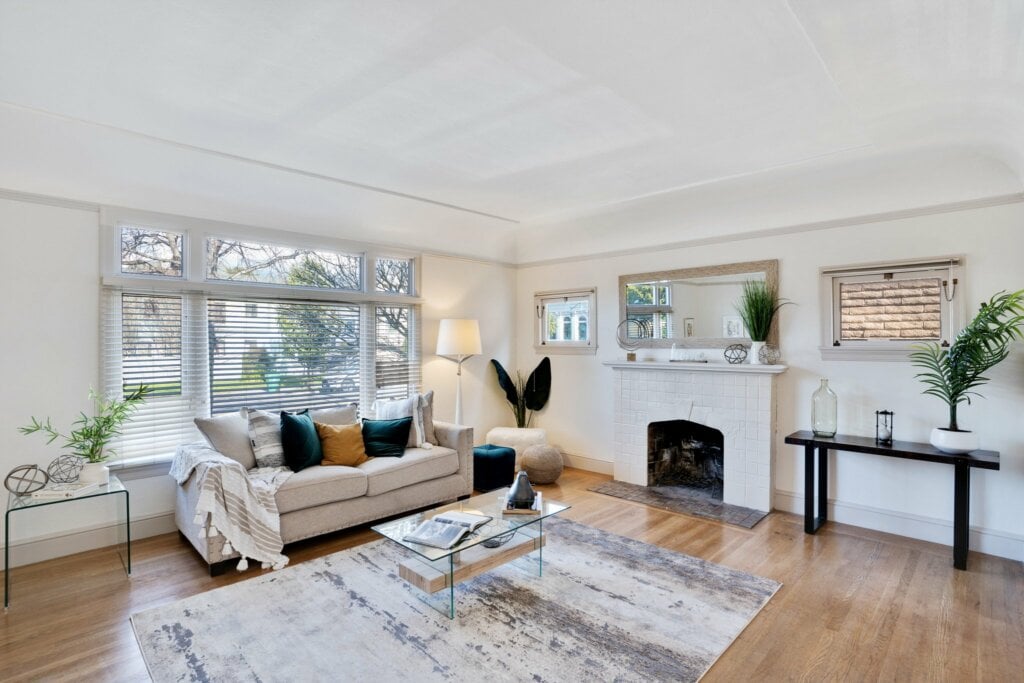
(882, 217)
(60, 202)
(259, 162)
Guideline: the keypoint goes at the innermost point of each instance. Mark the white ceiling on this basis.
(479, 124)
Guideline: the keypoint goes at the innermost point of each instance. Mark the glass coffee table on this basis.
(436, 571)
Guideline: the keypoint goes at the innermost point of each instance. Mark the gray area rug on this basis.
(678, 499)
(607, 608)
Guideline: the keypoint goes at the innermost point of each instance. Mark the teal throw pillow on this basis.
(300, 441)
(386, 438)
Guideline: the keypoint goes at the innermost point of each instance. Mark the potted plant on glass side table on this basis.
(952, 374)
(90, 435)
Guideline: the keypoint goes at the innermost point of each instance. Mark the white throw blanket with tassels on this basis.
(238, 504)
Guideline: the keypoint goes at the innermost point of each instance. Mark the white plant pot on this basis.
(518, 438)
(949, 441)
(94, 472)
(755, 352)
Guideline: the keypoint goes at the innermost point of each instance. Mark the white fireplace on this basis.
(738, 400)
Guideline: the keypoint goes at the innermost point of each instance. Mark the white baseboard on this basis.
(582, 462)
(48, 547)
(988, 541)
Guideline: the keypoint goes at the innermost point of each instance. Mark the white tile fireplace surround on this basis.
(738, 400)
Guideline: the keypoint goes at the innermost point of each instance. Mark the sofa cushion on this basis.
(300, 441)
(418, 464)
(265, 434)
(228, 434)
(318, 486)
(342, 415)
(342, 444)
(386, 438)
(395, 409)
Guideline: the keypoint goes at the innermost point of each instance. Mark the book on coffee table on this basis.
(437, 534)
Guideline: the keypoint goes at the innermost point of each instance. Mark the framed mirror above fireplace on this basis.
(691, 307)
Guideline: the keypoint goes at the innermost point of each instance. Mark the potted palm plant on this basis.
(90, 435)
(954, 373)
(757, 308)
(526, 395)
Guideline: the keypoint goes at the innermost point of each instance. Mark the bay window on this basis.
(219, 339)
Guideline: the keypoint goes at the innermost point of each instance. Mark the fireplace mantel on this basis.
(690, 366)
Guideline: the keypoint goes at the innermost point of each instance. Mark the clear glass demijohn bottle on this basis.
(824, 410)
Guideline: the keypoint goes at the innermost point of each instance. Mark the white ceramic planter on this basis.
(755, 352)
(94, 472)
(518, 438)
(949, 441)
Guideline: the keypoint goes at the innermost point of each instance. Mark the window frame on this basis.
(196, 290)
(543, 345)
(949, 269)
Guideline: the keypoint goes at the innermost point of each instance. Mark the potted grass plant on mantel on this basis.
(757, 308)
(953, 374)
(91, 435)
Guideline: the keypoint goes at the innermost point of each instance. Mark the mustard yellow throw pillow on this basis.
(342, 444)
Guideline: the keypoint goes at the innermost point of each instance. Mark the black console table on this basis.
(909, 450)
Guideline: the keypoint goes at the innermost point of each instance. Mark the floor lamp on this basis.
(457, 340)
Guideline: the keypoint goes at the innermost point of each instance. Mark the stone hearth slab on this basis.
(676, 499)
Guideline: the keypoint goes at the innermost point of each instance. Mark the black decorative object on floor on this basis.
(676, 499)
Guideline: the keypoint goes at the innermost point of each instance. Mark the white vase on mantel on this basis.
(954, 442)
(755, 352)
(94, 473)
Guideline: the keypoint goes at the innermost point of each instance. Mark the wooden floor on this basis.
(855, 604)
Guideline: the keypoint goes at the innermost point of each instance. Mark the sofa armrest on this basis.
(460, 439)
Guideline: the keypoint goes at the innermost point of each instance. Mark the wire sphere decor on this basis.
(769, 355)
(632, 332)
(65, 468)
(735, 353)
(25, 479)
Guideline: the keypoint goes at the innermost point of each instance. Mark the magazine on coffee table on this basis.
(447, 529)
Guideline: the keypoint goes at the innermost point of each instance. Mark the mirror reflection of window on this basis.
(650, 305)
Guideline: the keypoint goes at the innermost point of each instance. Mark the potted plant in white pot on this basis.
(525, 396)
(90, 435)
(952, 374)
(757, 308)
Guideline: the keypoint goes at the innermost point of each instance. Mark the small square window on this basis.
(394, 276)
(566, 321)
(145, 251)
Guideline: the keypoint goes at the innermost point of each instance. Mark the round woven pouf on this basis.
(543, 464)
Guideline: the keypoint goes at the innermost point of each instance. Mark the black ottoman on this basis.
(493, 467)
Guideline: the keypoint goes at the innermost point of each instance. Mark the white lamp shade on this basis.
(458, 337)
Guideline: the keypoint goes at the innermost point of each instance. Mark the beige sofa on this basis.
(318, 500)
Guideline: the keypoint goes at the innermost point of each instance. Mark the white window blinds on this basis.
(201, 354)
(146, 340)
(282, 356)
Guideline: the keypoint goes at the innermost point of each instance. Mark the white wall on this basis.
(904, 497)
(457, 288)
(49, 358)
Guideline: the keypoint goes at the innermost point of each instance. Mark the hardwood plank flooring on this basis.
(855, 604)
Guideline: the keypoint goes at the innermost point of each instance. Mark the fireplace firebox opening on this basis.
(685, 454)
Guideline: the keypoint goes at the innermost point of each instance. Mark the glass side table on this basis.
(20, 505)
